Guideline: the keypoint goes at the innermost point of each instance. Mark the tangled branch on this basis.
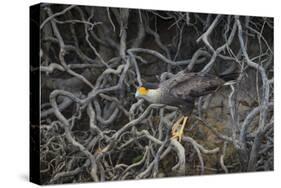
(93, 128)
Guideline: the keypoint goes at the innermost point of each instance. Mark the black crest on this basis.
(149, 85)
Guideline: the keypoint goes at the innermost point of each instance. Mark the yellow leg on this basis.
(178, 127)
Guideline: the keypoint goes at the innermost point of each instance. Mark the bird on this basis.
(181, 90)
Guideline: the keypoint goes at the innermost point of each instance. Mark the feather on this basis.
(185, 86)
(182, 89)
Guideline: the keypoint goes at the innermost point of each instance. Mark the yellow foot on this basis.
(178, 127)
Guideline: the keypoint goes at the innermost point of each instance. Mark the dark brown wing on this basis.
(192, 85)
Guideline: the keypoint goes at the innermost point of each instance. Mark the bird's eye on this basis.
(143, 90)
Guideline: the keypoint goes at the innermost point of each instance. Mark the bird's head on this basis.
(149, 91)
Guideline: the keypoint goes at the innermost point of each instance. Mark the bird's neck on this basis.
(153, 96)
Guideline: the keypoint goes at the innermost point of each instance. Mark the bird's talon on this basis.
(177, 130)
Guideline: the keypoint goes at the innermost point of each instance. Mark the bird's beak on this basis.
(137, 94)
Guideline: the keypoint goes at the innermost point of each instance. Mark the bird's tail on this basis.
(229, 77)
(231, 82)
